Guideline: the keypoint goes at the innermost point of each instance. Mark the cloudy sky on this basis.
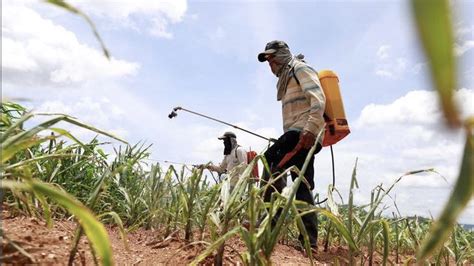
(201, 55)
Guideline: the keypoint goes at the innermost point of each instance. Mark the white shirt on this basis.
(233, 164)
(236, 157)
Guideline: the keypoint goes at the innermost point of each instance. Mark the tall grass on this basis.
(18, 145)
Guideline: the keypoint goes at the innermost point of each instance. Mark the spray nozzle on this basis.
(174, 112)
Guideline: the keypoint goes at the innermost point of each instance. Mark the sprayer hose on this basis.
(333, 178)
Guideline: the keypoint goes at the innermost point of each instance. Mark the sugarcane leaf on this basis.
(434, 24)
(460, 196)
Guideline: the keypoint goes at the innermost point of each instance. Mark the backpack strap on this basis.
(294, 75)
(296, 78)
(236, 148)
(326, 117)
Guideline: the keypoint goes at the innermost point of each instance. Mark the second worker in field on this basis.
(234, 162)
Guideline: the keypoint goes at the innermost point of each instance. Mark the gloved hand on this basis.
(306, 141)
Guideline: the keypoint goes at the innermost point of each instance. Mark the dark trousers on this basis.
(274, 154)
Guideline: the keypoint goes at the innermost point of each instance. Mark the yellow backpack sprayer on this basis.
(337, 127)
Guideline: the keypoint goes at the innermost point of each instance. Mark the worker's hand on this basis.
(306, 141)
(201, 166)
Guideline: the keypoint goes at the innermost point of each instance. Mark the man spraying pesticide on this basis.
(230, 142)
(305, 116)
(236, 158)
(232, 166)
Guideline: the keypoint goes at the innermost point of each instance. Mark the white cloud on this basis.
(159, 28)
(173, 9)
(383, 52)
(155, 15)
(465, 98)
(100, 113)
(16, 57)
(36, 51)
(462, 48)
(384, 73)
(393, 66)
(417, 107)
(464, 39)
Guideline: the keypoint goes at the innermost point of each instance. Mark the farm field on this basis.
(161, 215)
(95, 170)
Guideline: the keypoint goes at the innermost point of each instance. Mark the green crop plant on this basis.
(188, 194)
(20, 164)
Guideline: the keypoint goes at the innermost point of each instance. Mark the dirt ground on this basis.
(45, 245)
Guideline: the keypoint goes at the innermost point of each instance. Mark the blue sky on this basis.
(202, 55)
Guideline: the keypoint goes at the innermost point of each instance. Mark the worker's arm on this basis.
(218, 168)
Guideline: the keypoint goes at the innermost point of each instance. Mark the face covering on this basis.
(284, 73)
(276, 68)
(281, 58)
(227, 146)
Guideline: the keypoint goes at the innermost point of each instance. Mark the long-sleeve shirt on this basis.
(303, 104)
(237, 156)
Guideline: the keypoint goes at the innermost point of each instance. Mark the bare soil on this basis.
(43, 245)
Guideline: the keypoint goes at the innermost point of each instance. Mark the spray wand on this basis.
(174, 114)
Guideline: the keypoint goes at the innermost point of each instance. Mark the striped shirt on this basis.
(303, 105)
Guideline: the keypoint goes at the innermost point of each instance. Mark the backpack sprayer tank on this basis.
(336, 123)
